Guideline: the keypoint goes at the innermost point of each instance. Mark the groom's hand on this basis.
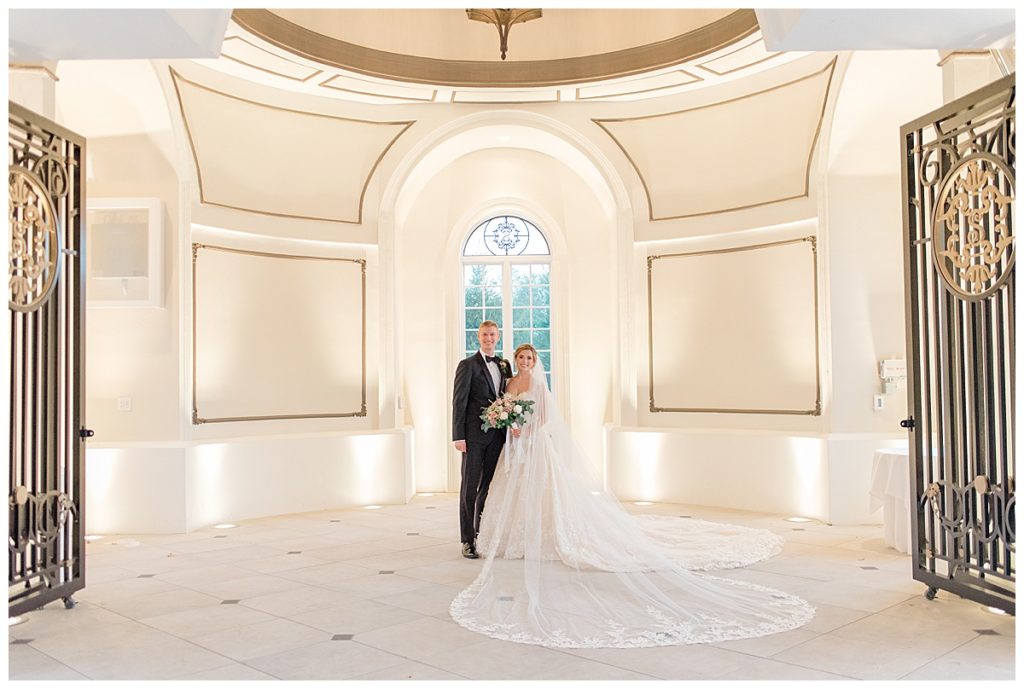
(460, 445)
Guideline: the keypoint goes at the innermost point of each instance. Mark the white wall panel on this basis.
(735, 330)
(278, 335)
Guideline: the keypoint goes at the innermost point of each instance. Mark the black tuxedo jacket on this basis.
(474, 391)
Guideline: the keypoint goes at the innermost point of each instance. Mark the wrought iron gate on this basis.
(46, 547)
(958, 218)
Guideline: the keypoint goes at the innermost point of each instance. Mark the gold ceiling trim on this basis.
(695, 79)
(474, 98)
(176, 77)
(523, 74)
(830, 68)
(26, 67)
(705, 65)
(313, 70)
(326, 83)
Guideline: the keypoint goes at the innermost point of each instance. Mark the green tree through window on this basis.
(507, 279)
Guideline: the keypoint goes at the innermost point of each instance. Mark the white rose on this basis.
(503, 415)
(515, 425)
(518, 409)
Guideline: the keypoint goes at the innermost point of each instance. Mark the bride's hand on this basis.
(516, 432)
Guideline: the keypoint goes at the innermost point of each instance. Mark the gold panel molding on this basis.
(312, 71)
(466, 73)
(653, 405)
(196, 417)
(177, 79)
(828, 68)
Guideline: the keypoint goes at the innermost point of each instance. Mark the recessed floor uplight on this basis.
(643, 503)
(426, 495)
(995, 611)
(798, 520)
(225, 526)
(93, 537)
(11, 621)
(371, 507)
(595, 492)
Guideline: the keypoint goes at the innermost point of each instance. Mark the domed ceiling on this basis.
(443, 56)
(446, 47)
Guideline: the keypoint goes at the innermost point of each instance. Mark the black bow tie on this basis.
(495, 359)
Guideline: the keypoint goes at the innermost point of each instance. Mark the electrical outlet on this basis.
(879, 402)
(124, 403)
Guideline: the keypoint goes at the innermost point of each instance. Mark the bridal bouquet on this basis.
(506, 412)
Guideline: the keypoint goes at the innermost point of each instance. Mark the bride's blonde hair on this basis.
(522, 348)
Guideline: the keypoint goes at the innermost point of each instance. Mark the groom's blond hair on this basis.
(488, 324)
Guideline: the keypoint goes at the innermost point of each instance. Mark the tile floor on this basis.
(363, 594)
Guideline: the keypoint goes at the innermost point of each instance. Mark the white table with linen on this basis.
(890, 490)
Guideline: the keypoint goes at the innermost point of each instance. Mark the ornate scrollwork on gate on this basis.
(979, 509)
(35, 241)
(972, 235)
(43, 516)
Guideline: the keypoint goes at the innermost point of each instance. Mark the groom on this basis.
(479, 380)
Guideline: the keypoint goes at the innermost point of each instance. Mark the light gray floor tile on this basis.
(298, 599)
(188, 624)
(326, 660)
(156, 658)
(355, 617)
(175, 600)
(410, 670)
(870, 623)
(420, 639)
(261, 639)
(25, 662)
(232, 671)
(858, 658)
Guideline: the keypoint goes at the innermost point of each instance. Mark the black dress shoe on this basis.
(469, 551)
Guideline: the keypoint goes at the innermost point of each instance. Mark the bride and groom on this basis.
(566, 565)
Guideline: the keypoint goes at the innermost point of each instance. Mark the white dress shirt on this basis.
(492, 366)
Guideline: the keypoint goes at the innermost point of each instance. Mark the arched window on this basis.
(507, 279)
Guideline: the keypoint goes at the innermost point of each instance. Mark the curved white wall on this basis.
(561, 170)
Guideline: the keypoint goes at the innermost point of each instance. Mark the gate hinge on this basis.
(907, 423)
(86, 433)
(69, 252)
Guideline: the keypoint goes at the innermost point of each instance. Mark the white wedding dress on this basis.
(566, 566)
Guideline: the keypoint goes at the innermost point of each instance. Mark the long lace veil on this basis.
(567, 566)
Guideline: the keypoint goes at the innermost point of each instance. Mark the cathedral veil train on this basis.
(567, 566)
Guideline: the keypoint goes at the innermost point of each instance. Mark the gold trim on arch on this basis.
(654, 408)
(196, 419)
(830, 68)
(326, 83)
(176, 76)
(240, 61)
(696, 79)
(468, 73)
(704, 65)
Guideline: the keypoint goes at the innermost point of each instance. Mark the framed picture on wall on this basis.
(124, 253)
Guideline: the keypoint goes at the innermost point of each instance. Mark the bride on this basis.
(566, 566)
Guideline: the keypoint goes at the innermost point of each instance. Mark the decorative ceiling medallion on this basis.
(503, 20)
(972, 241)
(35, 241)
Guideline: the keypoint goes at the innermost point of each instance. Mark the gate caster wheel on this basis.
(69, 602)
(930, 593)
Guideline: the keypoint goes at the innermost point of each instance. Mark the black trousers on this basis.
(478, 464)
